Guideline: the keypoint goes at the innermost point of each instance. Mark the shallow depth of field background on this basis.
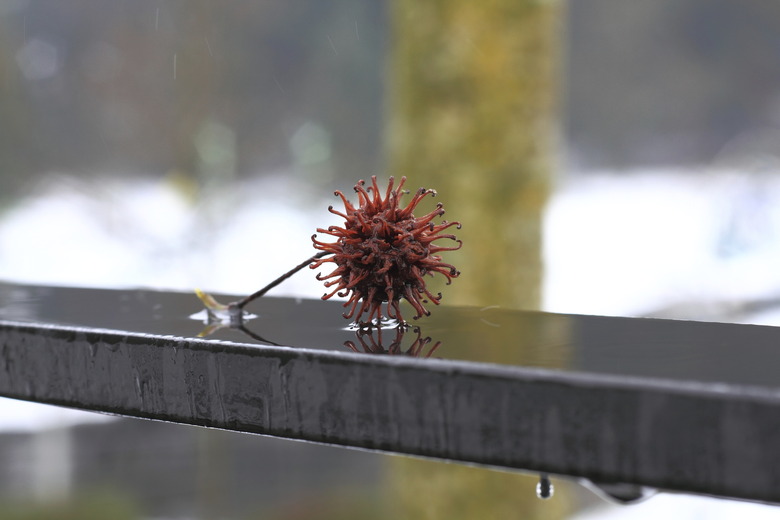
(177, 144)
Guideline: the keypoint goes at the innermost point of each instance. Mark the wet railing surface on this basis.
(684, 406)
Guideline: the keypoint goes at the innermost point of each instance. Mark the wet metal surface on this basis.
(669, 404)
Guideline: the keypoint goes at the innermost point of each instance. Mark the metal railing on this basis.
(622, 431)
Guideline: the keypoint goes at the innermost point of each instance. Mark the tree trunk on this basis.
(472, 114)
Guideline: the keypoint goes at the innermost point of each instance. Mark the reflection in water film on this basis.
(399, 339)
(371, 342)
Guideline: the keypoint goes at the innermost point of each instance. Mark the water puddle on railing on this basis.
(660, 349)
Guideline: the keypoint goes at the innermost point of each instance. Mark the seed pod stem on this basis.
(238, 306)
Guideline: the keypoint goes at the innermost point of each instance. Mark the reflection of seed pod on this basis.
(374, 344)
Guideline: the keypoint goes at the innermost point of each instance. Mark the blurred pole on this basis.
(473, 114)
(52, 464)
(213, 474)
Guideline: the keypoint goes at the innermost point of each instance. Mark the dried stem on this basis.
(237, 306)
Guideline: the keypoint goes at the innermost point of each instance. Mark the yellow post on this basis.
(472, 114)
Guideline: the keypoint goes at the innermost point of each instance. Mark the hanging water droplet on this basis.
(544, 489)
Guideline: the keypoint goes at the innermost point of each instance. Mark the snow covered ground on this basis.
(146, 233)
(619, 244)
(638, 243)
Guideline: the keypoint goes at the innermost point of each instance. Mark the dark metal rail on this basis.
(708, 438)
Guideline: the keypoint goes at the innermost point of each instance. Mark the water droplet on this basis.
(544, 489)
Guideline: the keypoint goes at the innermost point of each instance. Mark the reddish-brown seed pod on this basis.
(383, 253)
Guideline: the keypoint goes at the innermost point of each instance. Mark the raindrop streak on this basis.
(357, 34)
(544, 489)
(279, 85)
(208, 46)
(332, 46)
(157, 19)
(174, 66)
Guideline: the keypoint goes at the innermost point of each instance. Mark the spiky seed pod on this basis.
(383, 253)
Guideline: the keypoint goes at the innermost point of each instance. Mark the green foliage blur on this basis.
(86, 506)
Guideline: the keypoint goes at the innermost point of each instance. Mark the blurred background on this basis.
(605, 157)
